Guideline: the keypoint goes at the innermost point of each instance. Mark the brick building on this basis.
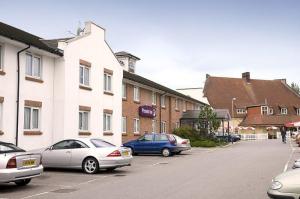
(148, 106)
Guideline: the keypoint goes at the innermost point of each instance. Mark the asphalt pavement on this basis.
(243, 170)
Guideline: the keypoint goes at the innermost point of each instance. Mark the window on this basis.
(131, 64)
(83, 120)
(153, 98)
(176, 104)
(177, 125)
(84, 75)
(107, 82)
(283, 111)
(33, 65)
(31, 118)
(163, 101)
(147, 138)
(163, 127)
(240, 111)
(271, 111)
(124, 124)
(184, 106)
(136, 125)
(153, 125)
(264, 110)
(1, 115)
(101, 143)
(1, 59)
(161, 137)
(136, 93)
(62, 145)
(124, 91)
(107, 122)
(298, 111)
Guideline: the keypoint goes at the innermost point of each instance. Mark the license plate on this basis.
(125, 153)
(28, 163)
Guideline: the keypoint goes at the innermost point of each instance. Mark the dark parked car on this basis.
(154, 143)
(229, 138)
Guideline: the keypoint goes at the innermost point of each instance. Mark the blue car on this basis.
(154, 143)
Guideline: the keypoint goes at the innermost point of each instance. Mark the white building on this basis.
(68, 88)
(196, 93)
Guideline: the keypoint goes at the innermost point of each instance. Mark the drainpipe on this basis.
(18, 93)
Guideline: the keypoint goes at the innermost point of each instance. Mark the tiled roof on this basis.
(147, 82)
(221, 90)
(26, 38)
(267, 120)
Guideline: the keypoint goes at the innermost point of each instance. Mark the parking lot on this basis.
(245, 168)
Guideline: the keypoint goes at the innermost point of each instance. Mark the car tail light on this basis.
(116, 153)
(184, 142)
(12, 163)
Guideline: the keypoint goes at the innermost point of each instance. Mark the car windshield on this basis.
(9, 148)
(101, 143)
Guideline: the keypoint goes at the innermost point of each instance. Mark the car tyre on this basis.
(23, 182)
(132, 151)
(166, 152)
(90, 165)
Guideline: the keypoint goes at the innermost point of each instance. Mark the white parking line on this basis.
(35, 195)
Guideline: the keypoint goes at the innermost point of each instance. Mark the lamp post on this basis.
(232, 113)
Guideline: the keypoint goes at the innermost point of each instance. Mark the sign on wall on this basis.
(147, 111)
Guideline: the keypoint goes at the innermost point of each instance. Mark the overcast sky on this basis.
(179, 42)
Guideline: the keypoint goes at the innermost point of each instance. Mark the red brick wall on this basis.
(254, 111)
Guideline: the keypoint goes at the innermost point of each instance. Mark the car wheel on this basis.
(23, 182)
(90, 165)
(166, 152)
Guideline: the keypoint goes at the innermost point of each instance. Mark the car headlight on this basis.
(276, 185)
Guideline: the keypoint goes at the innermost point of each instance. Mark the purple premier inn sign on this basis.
(147, 111)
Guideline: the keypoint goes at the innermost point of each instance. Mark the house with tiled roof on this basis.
(255, 103)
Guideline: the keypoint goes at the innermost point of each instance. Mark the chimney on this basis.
(246, 76)
(207, 76)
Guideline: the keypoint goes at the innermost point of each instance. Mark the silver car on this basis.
(88, 154)
(182, 144)
(286, 185)
(18, 166)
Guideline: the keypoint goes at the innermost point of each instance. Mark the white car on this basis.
(182, 144)
(88, 154)
(18, 166)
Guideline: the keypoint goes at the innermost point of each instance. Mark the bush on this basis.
(204, 143)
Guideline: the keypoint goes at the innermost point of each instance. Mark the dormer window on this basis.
(298, 111)
(240, 111)
(271, 111)
(283, 111)
(264, 110)
(131, 64)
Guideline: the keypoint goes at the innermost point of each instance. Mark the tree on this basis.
(208, 120)
(295, 87)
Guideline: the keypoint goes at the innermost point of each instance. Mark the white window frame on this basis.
(136, 93)
(1, 116)
(108, 80)
(136, 126)
(107, 122)
(84, 76)
(131, 64)
(154, 99)
(283, 111)
(177, 125)
(124, 124)
(240, 111)
(32, 66)
(264, 110)
(298, 111)
(163, 101)
(163, 127)
(153, 126)
(31, 118)
(124, 90)
(271, 111)
(1, 57)
(88, 121)
(184, 106)
(176, 104)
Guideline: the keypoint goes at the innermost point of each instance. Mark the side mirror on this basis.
(49, 148)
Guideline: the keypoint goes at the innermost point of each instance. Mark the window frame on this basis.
(88, 121)
(124, 124)
(106, 122)
(153, 126)
(1, 116)
(1, 56)
(297, 112)
(31, 119)
(240, 111)
(176, 104)
(163, 101)
(154, 98)
(84, 76)
(264, 110)
(136, 93)
(283, 112)
(270, 111)
(124, 90)
(136, 126)
(32, 65)
(184, 106)
(163, 127)
(106, 82)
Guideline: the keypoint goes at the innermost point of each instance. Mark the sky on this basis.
(179, 42)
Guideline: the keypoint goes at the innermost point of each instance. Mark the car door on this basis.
(79, 151)
(58, 155)
(160, 141)
(144, 144)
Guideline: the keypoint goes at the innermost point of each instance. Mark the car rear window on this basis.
(161, 137)
(101, 143)
(9, 148)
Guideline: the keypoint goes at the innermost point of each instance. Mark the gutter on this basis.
(18, 92)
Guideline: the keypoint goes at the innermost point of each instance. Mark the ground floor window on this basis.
(163, 127)
(31, 118)
(136, 125)
(153, 125)
(177, 125)
(124, 124)
(107, 122)
(1, 115)
(83, 120)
